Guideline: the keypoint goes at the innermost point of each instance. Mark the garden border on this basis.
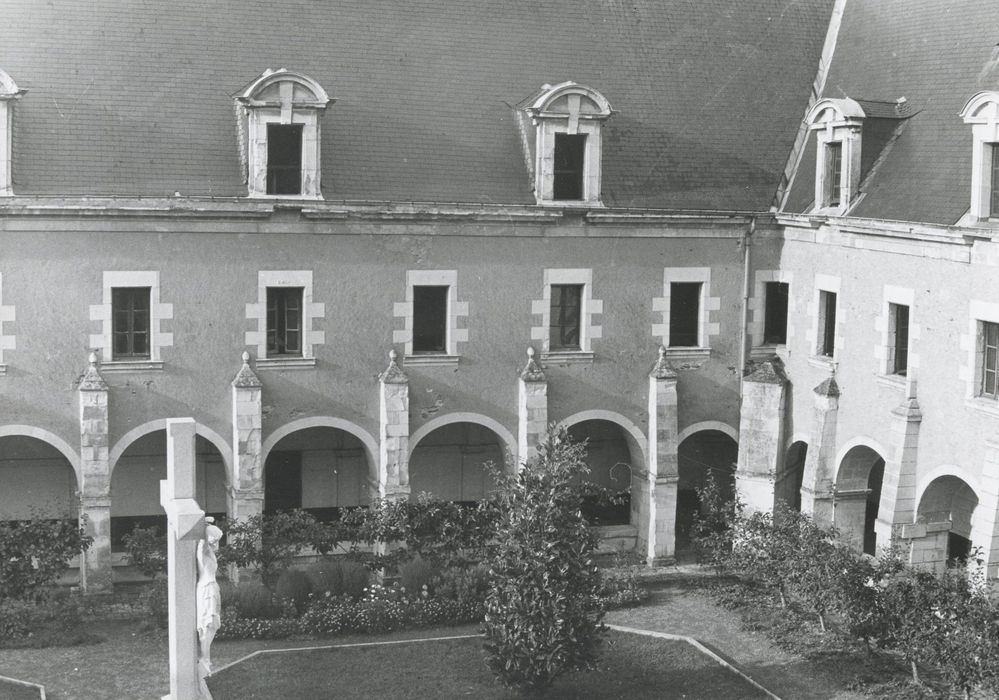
(15, 681)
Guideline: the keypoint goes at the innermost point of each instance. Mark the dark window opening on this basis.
(283, 481)
(834, 171)
(430, 319)
(566, 307)
(130, 323)
(990, 360)
(684, 314)
(568, 171)
(284, 159)
(775, 317)
(827, 323)
(284, 320)
(958, 550)
(899, 348)
(994, 185)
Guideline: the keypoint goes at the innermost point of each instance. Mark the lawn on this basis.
(631, 666)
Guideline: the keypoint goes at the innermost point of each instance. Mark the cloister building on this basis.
(371, 248)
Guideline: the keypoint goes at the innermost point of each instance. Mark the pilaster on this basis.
(898, 487)
(246, 491)
(658, 494)
(817, 485)
(393, 431)
(532, 407)
(985, 525)
(95, 489)
(761, 434)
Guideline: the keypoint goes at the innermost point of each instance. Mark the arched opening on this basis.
(858, 495)
(449, 462)
(609, 458)
(38, 481)
(789, 486)
(703, 452)
(318, 469)
(946, 508)
(135, 484)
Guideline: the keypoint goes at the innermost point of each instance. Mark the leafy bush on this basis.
(57, 621)
(146, 550)
(294, 585)
(339, 577)
(417, 574)
(35, 552)
(543, 615)
(156, 600)
(466, 585)
(254, 600)
(269, 543)
(715, 524)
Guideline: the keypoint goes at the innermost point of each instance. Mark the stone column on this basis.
(817, 485)
(246, 483)
(532, 408)
(393, 431)
(95, 487)
(898, 488)
(657, 492)
(985, 521)
(761, 435)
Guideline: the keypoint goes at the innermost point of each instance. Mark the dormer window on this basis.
(982, 112)
(567, 118)
(837, 125)
(9, 92)
(280, 134)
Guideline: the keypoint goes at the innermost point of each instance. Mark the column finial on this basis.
(662, 368)
(532, 371)
(246, 358)
(393, 374)
(245, 377)
(92, 379)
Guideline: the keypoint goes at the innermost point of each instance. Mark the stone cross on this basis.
(185, 526)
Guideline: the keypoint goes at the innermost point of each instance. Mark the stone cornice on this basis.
(906, 230)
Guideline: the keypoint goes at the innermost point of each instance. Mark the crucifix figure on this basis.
(185, 527)
(209, 601)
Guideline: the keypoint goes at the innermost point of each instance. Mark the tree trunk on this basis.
(915, 673)
(822, 622)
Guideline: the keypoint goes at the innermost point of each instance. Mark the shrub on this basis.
(156, 601)
(417, 574)
(53, 622)
(146, 550)
(339, 577)
(543, 616)
(35, 552)
(294, 585)
(268, 543)
(715, 524)
(464, 585)
(254, 600)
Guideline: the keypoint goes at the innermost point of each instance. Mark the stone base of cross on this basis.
(185, 526)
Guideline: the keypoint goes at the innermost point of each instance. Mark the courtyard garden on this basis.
(506, 597)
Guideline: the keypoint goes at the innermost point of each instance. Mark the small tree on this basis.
(146, 550)
(715, 523)
(268, 543)
(543, 616)
(817, 564)
(35, 552)
(764, 546)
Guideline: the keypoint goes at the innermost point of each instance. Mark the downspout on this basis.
(747, 246)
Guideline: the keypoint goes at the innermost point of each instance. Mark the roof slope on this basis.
(135, 98)
(937, 55)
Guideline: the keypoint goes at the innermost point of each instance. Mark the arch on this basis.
(551, 93)
(981, 108)
(861, 441)
(281, 75)
(48, 437)
(841, 110)
(944, 470)
(636, 438)
(369, 442)
(160, 424)
(947, 498)
(507, 439)
(707, 425)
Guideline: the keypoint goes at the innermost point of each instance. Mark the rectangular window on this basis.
(834, 171)
(284, 159)
(283, 481)
(990, 360)
(284, 321)
(994, 189)
(684, 314)
(775, 317)
(430, 319)
(827, 323)
(898, 339)
(568, 175)
(566, 307)
(130, 323)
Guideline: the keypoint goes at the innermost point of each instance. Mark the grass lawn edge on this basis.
(24, 684)
(720, 660)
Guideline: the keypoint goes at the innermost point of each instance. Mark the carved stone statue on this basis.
(209, 600)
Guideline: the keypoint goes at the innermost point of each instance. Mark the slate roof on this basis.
(935, 54)
(135, 98)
